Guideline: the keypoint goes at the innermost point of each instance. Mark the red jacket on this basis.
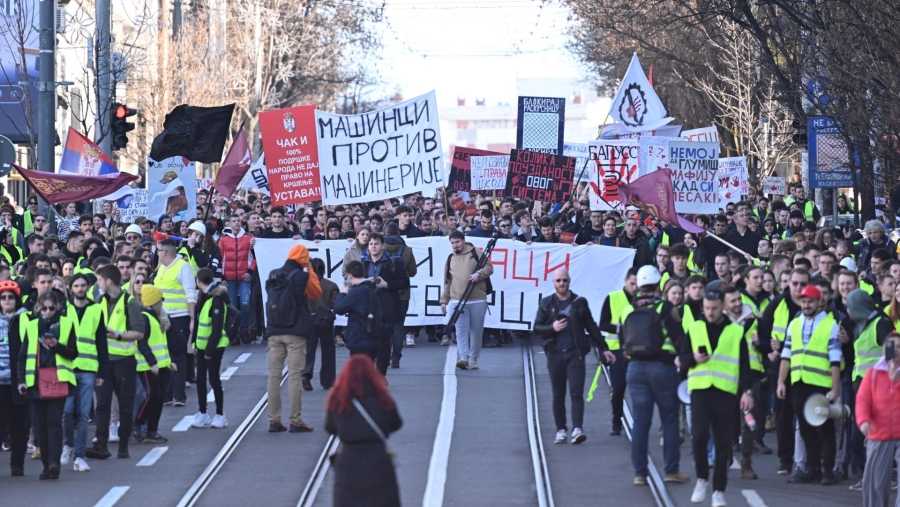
(878, 403)
(237, 255)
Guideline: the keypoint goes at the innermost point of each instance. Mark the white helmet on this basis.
(198, 226)
(849, 263)
(134, 228)
(648, 275)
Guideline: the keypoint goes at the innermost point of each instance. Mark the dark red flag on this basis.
(65, 188)
(235, 166)
(653, 193)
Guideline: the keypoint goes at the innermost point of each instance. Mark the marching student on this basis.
(610, 319)
(153, 363)
(211, 339)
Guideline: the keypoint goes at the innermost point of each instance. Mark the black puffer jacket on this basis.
(581, 323)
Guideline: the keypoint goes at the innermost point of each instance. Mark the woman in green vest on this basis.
(12, 403)
(48, 342)
(211, 340)
(153, 365)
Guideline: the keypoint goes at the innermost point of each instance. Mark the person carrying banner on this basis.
(459, 271)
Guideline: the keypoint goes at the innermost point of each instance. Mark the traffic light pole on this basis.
(102, 131)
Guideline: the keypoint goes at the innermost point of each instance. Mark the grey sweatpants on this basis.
(876, 483)
(469, 327)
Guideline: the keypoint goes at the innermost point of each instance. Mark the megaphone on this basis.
(683, 394)
(817, 410)
(158, 236)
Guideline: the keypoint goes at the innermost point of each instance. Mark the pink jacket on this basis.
(237, 255)
(878, 403)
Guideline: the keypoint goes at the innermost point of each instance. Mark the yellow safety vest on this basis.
(63, 365)
(86, 332)
(667, 344)
(158, 346)
(618, 300)
(174, 298)
(747, 300)
(118, 323)
(723, 369)
(190, 259)
(866, 286)
(28, 222)
(9, 257)
(808, 210)
(866, 350)
(756, 359)
(780, 320)
(810, 364)
(687, 317)
(204, 331)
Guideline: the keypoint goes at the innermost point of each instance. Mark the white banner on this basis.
(382, 154)
(653, 154)
(489, 173)
(734, 167)
(583, 161)
(172, 188)
(522, 274)
(704, 135)
(616, 163)
(773, 185)
(695, 176)
(257, 178)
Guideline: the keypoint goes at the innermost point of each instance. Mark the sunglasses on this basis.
(561, 280)
(7, 298)
(48, 308)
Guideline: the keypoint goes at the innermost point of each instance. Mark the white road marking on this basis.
(440, 453)
(184, 424)
(228, 373)
(243, 357)
(112, 496)
(152, 457)
(753, 498)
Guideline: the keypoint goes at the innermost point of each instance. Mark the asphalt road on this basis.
(464, 442)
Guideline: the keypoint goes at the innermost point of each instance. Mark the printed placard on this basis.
(540, 126)
(292, 165)
(704, 135)
(460, 167)
(381, 154)
(694, 167)
(489, 173)
(615, 163)
(735, 166)
(773, 185)
(539, 176)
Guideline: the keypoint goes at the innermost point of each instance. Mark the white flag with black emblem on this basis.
(636, 105)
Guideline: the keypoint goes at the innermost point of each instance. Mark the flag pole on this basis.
(729, 245)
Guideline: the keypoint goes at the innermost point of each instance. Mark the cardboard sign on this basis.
(489, 173)
(567, 237)
(381, 154)
(615, 163)
(773, 185)
(583, 160)
(171, 188)
(460, 167)
(735, 166)
(471, 211)
(540, 125)
(457, 203)
(540, 176)
(695, 168)
(292, 164)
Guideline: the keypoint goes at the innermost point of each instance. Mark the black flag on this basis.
(196, 133)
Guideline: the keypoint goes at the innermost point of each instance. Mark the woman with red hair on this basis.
(361, 412)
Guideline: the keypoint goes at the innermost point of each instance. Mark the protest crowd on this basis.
(726, 324)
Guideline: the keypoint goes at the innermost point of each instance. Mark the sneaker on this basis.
(4, 446)
(680, 477)
(771, 423)
(219, 421)
(828, 478)
(114, 432)
(36, 454)
(97, 453)
(187, 384)
(17, 470)
(699, 494)
(53, 470)
(31, 448)
(410, 340)
(718, 499)
(339, 340)
(154, 438)
(395, 362)
(68, 453)
(640, 481)
(276, 427)
(307, 385)
(616, 427)
(123, 453)
(81, 465)
(473, 364)
(801, 477)
(578, 436)
(463, 363)
(856, 487)
(168, 403)
(201, 420)
(445, 341)
(137, 435)
(560, 437)
(762, 448)
(300, 427)
(784, 468)
(177, 403)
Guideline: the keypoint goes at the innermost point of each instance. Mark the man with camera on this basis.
(565, 323)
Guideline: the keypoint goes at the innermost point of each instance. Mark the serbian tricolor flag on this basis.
(84, 158)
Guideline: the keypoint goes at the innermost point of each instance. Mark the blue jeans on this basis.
(652, 383)
(239, 293)
(83, 396)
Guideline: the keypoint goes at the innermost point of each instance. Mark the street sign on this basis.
(829, 160)
(7, 156)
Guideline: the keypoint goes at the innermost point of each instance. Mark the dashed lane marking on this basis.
(243, 357)
(184, 424)
(228, 373)
(112, 496)
(753, 498)
(152, 457)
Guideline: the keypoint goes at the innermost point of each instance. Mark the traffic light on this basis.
(120, 125)
(801, 136)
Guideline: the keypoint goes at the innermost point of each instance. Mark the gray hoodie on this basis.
(860, 304)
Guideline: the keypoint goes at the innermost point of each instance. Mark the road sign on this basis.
(7, 156)
(829, 160)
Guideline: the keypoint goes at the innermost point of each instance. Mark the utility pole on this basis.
(47, 88)
(104, 83)
(176, 19)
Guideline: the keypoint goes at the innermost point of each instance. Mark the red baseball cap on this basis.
(811, 292)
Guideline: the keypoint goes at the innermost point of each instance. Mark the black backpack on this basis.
(642, 333)
(380, 311)
(232, 324)
(281, 306)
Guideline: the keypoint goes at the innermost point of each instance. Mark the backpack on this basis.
(380, 311)
(281, 306)
(489, 287)
(232, 323)
(642, 333)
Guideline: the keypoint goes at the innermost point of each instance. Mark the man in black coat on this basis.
(390, 278)
(565, 323)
